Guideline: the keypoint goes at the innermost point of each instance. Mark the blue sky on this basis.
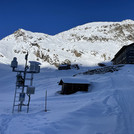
(54, 16)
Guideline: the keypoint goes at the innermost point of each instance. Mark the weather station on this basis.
(24, 89)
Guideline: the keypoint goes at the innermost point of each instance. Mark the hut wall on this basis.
(64, 67)
(126, 56)
(121, 59)
(72, 88)
(130, 55)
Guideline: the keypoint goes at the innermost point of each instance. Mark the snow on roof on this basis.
(73, 81)
(35, 62)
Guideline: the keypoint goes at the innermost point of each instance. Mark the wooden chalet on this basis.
(125, 55)
(64, 67)
(72, 85)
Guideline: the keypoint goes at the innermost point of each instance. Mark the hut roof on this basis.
(73, 81)
(121, 50)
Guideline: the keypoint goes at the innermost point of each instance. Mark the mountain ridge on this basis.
(87, 44)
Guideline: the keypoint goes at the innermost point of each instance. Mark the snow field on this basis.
(107, 109)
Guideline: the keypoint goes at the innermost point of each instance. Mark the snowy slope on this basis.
(107, 109)
(87, 44)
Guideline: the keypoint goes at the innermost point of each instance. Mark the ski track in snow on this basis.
(126, 117)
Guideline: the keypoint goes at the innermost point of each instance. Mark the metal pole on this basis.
(28, 103)
(29, 97)
(31, 83)
(25, 71)
(14, 97)
(26, 58)
(46, 101)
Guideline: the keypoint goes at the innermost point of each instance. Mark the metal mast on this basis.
(21, 88)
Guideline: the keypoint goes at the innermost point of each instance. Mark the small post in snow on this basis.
(46, 101)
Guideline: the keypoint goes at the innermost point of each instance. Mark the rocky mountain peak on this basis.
(128, 21)
(20, 32)
(101, 32)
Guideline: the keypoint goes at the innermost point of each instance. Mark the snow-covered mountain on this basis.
(106, 109)
(87, 44)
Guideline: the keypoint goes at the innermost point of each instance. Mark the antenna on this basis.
(21, 88)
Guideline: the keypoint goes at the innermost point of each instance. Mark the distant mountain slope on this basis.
(87, 44)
